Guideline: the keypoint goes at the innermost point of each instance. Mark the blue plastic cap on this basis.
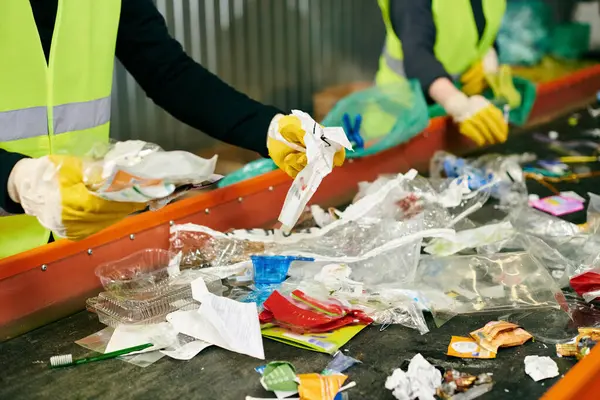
(273, 269)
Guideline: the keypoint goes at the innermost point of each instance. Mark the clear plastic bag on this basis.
(530, 221)
(137, 171)
(473, 284)
(593, 214)
(554, 326)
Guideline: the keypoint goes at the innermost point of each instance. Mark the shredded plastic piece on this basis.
(339, 364)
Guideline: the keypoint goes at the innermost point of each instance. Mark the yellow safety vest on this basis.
(59, 106)
(457, 44)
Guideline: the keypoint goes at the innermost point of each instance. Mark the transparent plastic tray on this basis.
(113, 310)
(143, 271)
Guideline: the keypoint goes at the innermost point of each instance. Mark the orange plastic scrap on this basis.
(496, 334)
(320, 387)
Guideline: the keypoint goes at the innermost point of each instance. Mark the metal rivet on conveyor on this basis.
(206, 211)
(132, 236)
(271, 188)
(240, 199)
(171, 223)
(89, 252)
(44, 267)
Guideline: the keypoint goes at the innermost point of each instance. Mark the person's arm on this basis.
(182, 87)
(7, 162)
(412, 21)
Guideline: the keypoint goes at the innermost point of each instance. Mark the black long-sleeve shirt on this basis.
(413, 23)
(172, 79)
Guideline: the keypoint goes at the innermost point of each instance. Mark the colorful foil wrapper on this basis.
(279, 376)
(467, 348)
(320, 387)
(455, 382)
(581, 346)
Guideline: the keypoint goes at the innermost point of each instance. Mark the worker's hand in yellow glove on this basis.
(474, 79)
(478, 119)
(51, 188)
(286, 145)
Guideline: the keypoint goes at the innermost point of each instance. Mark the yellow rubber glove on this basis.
(290, 157)
(51, 188)
(503, 86)
(473, 81)
(478, 119)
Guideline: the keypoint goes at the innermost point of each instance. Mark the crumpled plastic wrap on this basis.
(361, 238)
(203, 248)
(472, 284)
(442, 202)
(499, 175)
(137, 171)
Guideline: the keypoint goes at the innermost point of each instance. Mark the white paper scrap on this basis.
(221, 321)
(187, 351)
(321, 145)
(160, 335)
(539, 368)
(420, 381)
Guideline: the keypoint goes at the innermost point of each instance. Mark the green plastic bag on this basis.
(570, 41)
(391, 115)
(518, 116)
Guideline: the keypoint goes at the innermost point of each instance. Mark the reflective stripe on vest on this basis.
(457, 45)
(393, 63)
(31, 122)
(57, 105)
(80, 116)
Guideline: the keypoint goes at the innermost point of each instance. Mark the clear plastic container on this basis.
(144, 271)
(145, 309)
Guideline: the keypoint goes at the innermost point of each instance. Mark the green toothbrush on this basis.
(66, 360)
